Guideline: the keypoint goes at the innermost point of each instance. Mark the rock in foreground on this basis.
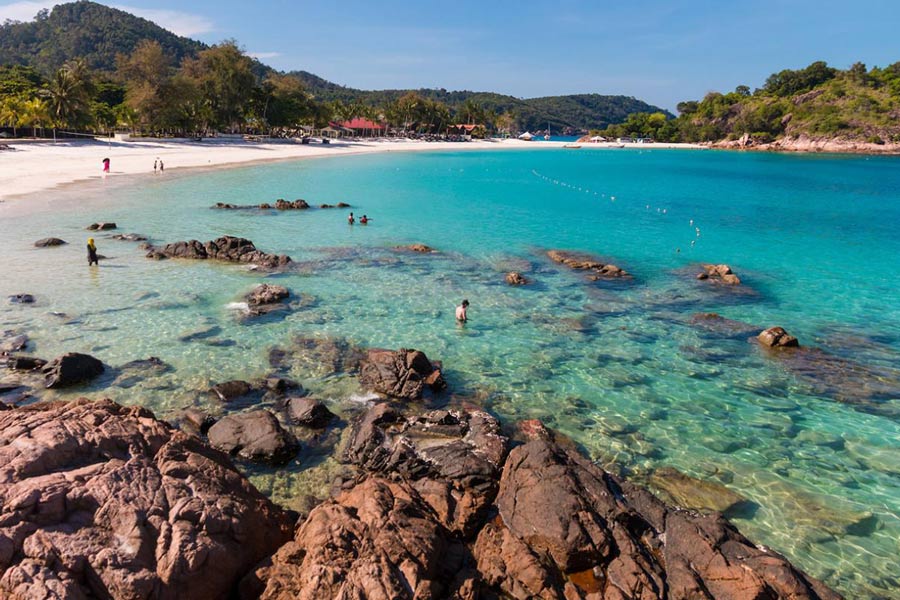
(226, 248)
(400, 374)
(71, 369)
(256, 435)
(102, 501)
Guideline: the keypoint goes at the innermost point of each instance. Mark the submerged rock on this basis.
(688, 492)
(102, 501)
(129, 237)
(256, 435)
(226, 248)
(48, 242)
(71, 369)
(400, 373)
(724, 327)
(318, 357)
(10, 342)
(421, 248)
(584, 262)
(777, 337)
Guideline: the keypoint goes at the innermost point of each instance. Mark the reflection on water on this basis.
(622, 368)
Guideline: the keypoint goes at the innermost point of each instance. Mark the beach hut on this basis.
(598, 138)
(363, 127)
(526, 136)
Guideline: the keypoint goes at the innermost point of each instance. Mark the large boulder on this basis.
(266, 298)
(308, 412)
(375, 540)
(516, 278)
(256, 435)
(451, 457)
(71, 369)
(400, 373)
(579, 261)
(568, 529)
(48, 242)
(720, 273)
(102, 501)
(21, 299)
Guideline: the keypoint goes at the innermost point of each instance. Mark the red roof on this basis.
(360, 123)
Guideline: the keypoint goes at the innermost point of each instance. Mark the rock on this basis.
(230, 390)
(326, 206)
(101, 226)
(402, 374)
(282, 204)
(71, 369)
(21, 299)
(266, 298)
(200, 334)
(47, 242)
(568, 529)
(103, 501)
(130, 237)
(256, 435)
(516, 278)
(422, 248)
(583, 262)
(718, 325)
(375, 540)
(777, 337)
(318, 357)
(198, 420)
(452, 458)
(343, 205)
(26, 363)
(688, 492)
(226, 248)
(10, 342)
(720, 273)
(309, 412)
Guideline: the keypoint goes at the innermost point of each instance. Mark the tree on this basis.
(68, 95)
(36, 113)
(224, 75)
(743, 91)
(11, 110)
(145, 72)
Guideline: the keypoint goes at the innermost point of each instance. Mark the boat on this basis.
(572, 146)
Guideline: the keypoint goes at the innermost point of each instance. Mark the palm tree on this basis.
(68, 93)
(35, 113)
(11, 113)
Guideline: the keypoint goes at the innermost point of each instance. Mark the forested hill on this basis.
(98, 33)
(85, 30)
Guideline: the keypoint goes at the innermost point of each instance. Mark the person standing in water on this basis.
(364, 220)
(461, 315)
(351, 220)
(92, 253)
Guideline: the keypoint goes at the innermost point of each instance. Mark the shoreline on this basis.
(38, 166)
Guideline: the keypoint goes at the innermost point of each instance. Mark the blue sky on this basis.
(661, 52)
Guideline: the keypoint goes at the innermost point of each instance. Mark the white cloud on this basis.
(23, 11)
(180, 23)
(263, 55)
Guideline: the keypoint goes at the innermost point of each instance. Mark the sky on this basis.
(659, 51)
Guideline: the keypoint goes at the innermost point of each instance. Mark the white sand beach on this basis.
(34, 166)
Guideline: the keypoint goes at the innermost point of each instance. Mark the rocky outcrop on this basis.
(71, 369)
(280, 204)
(48, 242)
(101, 226)
(403, 373)
(584, 262)
(308, 412)
(256, 435)
(777, 337)
(452, 458)
(421, 248)
(720, 326)
(719, 273)
(102, 501)
(226, 248)
(10, 342)
(568, 529)
(516, 278)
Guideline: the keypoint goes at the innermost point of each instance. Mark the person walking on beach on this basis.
(155, 164)
(106, 165)
(162, 167)
(351, 220)
(461, 315)
(92, 253)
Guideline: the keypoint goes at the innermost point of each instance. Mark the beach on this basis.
(34, 166)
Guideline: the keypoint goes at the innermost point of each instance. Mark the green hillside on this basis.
(97, 34)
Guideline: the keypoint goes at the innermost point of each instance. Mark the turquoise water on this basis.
(617, 366)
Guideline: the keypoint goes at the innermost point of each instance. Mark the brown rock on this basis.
(309, 412)
(102, 501)
(777, 337)
(583, 262)
(516, 278)
(688, 492)
(422, 248)
(101, 226)
(402, 373)
(48, 242)
(230, 390)
(226, 248)
(256, 435)
(719, 273)
(71, 369)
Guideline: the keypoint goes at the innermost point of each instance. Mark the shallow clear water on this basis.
(617, 366)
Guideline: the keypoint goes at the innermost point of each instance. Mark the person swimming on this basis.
(92, 253)
(461, 315)
(364, 220)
